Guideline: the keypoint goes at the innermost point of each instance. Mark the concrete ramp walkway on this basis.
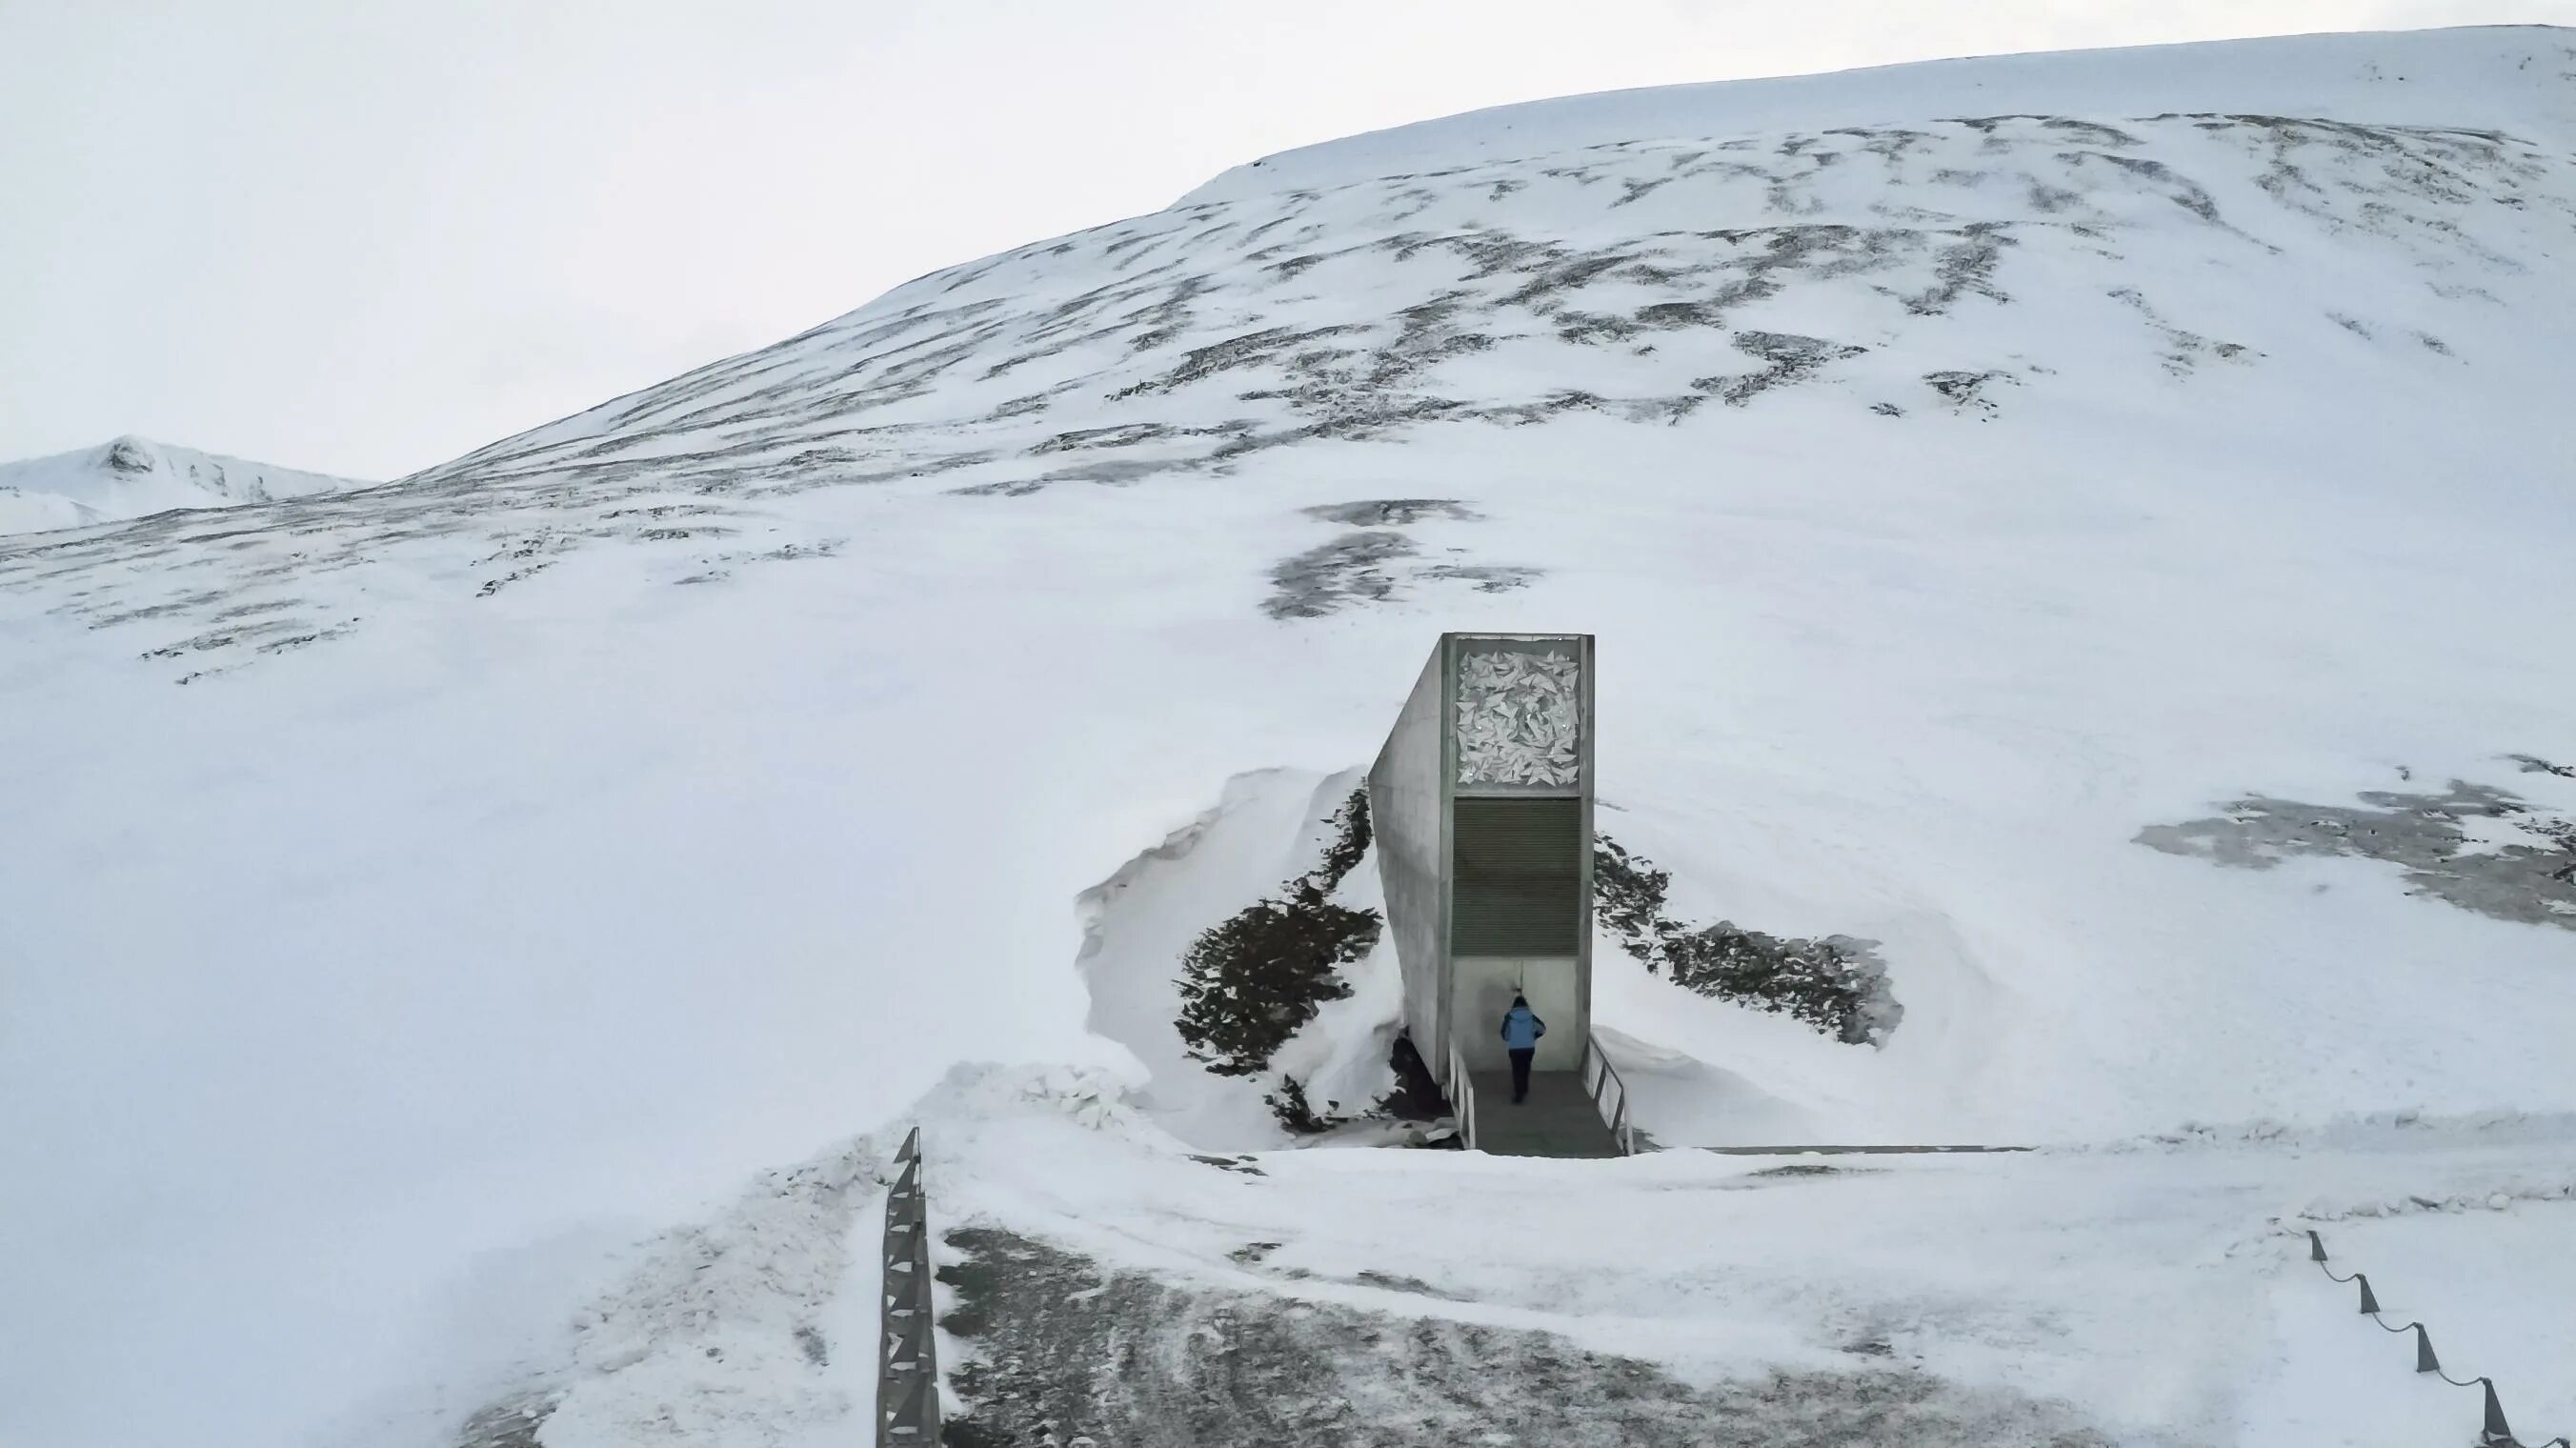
(1558, 1119)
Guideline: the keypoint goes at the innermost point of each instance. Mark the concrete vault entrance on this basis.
(1481, 801)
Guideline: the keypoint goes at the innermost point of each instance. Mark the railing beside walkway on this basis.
(907, 1357)
(1461, 1090)
(2493, 1432)
(1609, 1094)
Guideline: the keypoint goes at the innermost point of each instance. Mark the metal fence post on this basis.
(2495, 1430)
(2494, 1433)
(907, 1355)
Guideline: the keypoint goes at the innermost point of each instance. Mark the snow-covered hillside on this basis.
(2510, 78)
(134, 477)
(2093, 526)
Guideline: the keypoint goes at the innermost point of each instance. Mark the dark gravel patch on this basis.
(1063, 1350)
(1393, 512)
(2533, 883)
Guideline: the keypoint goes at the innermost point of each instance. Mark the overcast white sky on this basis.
(366, 237)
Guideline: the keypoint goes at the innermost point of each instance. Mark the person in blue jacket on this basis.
(1521, 1030)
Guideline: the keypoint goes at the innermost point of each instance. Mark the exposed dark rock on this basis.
(1350, 569)
(1356, 568)
(2534, 884)
(1203, 296)
(2182, 347)
(1837, 984)
(1254, 980)
(1966, 389)
(1234, 352)
(1791, 358)
(1964, 266)
(1287, 1101)
(1065, 1351)
(1417, 1095)
(2177, 188)
(1394, 512)
(1123, 435)
(1488, 578)
(1241, 1165)
(510, 1423)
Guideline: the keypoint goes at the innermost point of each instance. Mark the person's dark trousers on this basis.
(1520, 1073)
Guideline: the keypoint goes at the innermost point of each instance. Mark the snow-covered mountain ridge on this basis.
(1643, 282)
(132, 477)
(2007, 528)
(2505, 78)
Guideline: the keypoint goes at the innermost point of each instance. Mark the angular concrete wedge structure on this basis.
(1481, 803)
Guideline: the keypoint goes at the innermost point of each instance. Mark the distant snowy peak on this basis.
(2518, 79)
(133, 477)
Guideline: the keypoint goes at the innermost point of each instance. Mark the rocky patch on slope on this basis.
(2526, 873)
(1256, 978)
(1067, 1352)
(1836, 984)
(1637, 282)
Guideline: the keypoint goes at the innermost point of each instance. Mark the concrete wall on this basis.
(1408, 811)
(1522, 746)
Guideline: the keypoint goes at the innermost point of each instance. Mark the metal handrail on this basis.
(1462, 1096)
(907, 1352)
(1614, 1113)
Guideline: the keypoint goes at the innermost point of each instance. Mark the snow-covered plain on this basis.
(134, 477)
(2147, 1291)
(408, 892)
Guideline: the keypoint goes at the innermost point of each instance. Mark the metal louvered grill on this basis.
(1518, 886)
